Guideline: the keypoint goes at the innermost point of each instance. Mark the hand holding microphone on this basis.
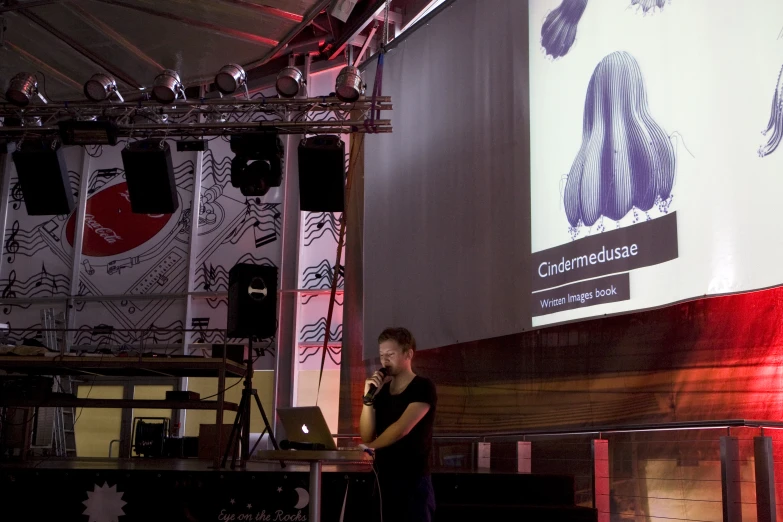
(373, 385)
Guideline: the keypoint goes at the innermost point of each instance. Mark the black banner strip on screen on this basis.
(583, 294)
(644, 244)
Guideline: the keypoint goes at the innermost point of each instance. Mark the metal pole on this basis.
(766, 509)
(730, 479)
(78, 241)
(600, 450)
(195, 213)
(284, 387)
(315, 491)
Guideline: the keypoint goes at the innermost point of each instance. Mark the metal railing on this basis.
(642, 472)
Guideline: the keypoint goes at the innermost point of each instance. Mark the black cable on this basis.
(239, 381)
(224, 391)
(378, 482)
(43, 77)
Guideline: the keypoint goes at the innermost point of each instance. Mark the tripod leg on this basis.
(266, 421)
(234, 437)
(267, 427)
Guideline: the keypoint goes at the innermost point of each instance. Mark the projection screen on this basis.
(652, 172)
(655, 169)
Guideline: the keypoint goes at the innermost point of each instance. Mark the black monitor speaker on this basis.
(150, 176)
(322, 174)
(252, 301)
(43, 178)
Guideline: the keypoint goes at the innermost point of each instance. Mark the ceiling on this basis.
(64, 42)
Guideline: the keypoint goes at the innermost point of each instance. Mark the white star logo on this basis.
(232, 501)
(250, 506)
(104, 504)
(279, 489)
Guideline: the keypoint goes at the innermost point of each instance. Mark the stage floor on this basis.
(192, 490)
(194, 465)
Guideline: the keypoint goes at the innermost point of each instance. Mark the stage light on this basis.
(167, 87)
(349, 85)
(258, 164)
(290, 81)
(230, 78)
(22, 88)
(100, 87)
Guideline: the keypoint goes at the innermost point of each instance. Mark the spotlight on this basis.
(100, 87)
(22, 88)
(290, 82)
(349, 86)
(258, 164)
(230, 78)
(167, 87)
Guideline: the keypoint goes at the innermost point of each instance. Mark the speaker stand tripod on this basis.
(240, 432)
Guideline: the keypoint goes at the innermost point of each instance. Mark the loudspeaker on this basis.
(150, 177)
(322, 174)
(43, 178)
(252, 301)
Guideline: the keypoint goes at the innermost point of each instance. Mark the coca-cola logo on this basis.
(110, 227)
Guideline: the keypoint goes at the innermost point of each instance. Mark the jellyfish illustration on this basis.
(626, 160)
(559, 29)
(646, 5)
(775, 120)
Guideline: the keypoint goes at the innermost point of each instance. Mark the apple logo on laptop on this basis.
(304, 429)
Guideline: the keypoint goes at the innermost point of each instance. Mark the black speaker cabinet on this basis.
(322, 174)
(150, 177)
(43, 178)
(252, 301)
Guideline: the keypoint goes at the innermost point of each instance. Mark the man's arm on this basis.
(409, 418)
(367, 423)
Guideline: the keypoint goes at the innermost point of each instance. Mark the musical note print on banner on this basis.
(334, 353)
(319, 277)
(320, 224)
(260, 239)
(16, 195)
(42, 284)
(210, 276)
(316, 332)
(8, 290)
(11, 244)
(264, 219)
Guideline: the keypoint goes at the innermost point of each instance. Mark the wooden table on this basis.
(316, 460)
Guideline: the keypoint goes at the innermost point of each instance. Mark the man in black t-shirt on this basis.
(397, 426)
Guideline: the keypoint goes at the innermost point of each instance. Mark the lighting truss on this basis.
(207, 117)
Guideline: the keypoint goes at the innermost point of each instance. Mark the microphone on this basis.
(370, 397)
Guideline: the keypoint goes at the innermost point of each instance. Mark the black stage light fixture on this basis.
(43, 177)
(258, 164)
(75, 132)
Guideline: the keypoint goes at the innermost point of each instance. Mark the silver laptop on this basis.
(306, 424)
